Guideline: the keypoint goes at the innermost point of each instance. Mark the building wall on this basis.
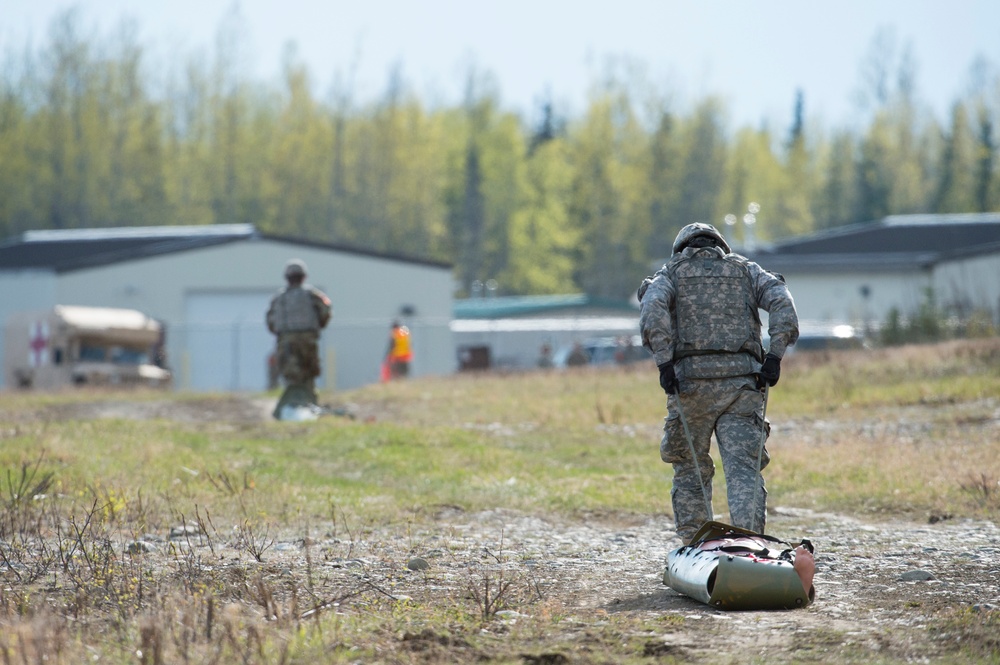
(20, 291)
(970, 283)
(516, 343)
(841, 297)
(366, 292)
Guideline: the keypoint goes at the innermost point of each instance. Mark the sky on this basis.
(753, 54)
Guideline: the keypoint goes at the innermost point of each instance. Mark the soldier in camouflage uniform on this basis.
(296, 316)
(699, 316)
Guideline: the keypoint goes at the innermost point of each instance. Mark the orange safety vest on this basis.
(401, 349)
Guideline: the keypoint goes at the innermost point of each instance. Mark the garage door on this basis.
(227, 342)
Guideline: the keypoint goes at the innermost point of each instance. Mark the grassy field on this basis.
(900, 433)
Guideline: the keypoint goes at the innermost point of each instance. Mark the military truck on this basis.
(84, 346)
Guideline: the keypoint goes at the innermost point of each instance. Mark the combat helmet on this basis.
(295, 268)
(699, 230)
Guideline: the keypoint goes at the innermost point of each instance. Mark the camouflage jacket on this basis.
(298, 309)
(719, 334)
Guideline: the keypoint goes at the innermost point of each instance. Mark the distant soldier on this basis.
(296, 316)
(699, 316)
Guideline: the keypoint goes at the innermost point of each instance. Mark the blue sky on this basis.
(752, 53)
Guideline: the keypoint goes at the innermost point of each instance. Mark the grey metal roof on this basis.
(894, 244)
(64, 250)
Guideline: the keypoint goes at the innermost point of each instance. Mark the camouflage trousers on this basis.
(298, 357)
(732, 409)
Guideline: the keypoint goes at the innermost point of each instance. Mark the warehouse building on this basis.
(210, 287)
(858, 274)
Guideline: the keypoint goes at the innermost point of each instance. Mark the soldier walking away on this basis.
(699, 316)
(296, 316)
(399, 355)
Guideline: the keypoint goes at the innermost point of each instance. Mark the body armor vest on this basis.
(295, 312)
(715, 306)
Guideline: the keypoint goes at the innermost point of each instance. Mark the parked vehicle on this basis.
(621, 350)
(827, 337)
(70, 345)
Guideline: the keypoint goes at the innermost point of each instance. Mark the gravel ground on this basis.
(880, 588)
(891, 589)
(883, 590)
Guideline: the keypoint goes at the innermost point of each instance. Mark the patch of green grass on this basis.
(558, 441)
(814, 384)
(901, 431)
(972, 631)
(393, 468)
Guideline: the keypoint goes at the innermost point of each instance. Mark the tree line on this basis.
(94, 134)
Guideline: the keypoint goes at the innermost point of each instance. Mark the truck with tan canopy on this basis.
(83, 346)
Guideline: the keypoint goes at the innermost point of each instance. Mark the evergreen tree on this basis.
(473, 213)
(94, 134)
(792, 212)
(543, 241)
(835, 204)
(665, 174)
(873, 171)
(299, 152)
(704, 159)
(956, 186)
(986, 152)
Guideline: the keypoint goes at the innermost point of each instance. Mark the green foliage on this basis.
(542, 240)
(94, 133)
(972, 630)
(956, 187)
(930, 323)
(892, 333)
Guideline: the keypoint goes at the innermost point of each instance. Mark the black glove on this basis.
(770, 370)
(668, 380)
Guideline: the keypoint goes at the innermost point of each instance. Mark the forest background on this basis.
(94, 133)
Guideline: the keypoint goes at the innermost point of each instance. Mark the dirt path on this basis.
(895, 589)
(864, 602)
(887, 590)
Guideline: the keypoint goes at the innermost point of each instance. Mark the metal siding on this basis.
(838, 299)
(227, 344)
(366, 294)
(971, 282)
(23, 290)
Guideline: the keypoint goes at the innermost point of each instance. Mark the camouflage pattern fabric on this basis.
(765, 290)
(711, 302)
(732, 408)
(298, 357)
(716, 354)
(298, 309)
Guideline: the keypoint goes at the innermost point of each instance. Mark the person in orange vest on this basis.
(400, 352)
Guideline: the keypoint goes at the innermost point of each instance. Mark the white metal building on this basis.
(857, 274)
(508, 332)
(211, 286)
